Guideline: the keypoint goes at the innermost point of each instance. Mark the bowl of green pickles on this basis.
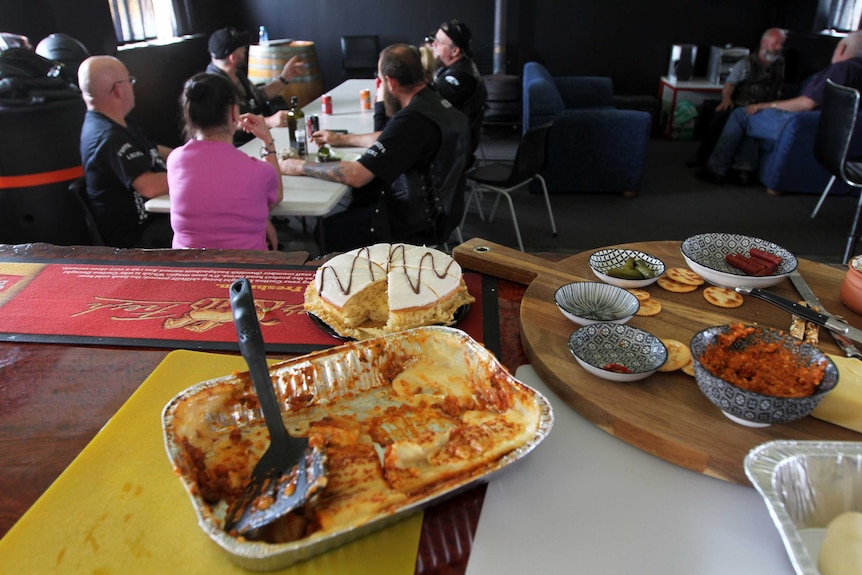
(626, 268)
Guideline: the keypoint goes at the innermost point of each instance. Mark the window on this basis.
(138, 20)
(842, 15)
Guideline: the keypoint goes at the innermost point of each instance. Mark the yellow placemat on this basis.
(119, 508)
(843, 405)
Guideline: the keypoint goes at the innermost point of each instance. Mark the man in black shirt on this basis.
(458, 80)
(408, 185)
(229, 58)
(123, 167)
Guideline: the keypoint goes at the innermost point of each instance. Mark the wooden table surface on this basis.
(54, 398)
(665, 414)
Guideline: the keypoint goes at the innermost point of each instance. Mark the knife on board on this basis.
(830, 322)
(812, 300)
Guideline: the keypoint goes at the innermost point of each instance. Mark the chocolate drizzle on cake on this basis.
(346, 289)
(365, 253)
(417, 285)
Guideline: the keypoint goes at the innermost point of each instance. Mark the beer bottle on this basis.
(295, 118)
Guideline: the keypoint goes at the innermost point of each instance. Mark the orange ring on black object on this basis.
(41, 179)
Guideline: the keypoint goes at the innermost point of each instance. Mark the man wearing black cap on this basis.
(229, 54)
(458, 80)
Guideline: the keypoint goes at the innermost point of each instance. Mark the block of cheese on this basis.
(843, 405)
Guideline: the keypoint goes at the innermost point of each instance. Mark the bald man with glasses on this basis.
(123, 167)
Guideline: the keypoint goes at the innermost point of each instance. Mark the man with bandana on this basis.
(458, 80)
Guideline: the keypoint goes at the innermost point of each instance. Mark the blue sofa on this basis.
(592, 146)
(787, 163)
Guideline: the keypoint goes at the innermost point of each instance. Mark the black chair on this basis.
(55, 214)
(834, 132)
(503, 179)
(359, 56)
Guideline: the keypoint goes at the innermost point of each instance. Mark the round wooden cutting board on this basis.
(665, 414)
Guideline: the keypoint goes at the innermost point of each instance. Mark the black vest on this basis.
(762, 84)
(422, 204)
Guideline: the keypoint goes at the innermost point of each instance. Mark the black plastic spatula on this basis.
(289, 472)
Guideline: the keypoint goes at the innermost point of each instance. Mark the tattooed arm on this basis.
(353, 174)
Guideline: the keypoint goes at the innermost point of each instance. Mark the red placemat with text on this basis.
(175, 306)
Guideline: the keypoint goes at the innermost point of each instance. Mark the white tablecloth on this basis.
(586, 502)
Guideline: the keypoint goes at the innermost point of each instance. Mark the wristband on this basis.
(265, 149)
(282, 80)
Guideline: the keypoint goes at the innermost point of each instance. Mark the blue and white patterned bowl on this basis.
(591, 302)
(609, 258)
(598, 345)
(756, 409)
(704, 254)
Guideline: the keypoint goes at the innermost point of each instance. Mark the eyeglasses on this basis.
(131, 80)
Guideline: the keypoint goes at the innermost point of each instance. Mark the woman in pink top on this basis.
(221, 197)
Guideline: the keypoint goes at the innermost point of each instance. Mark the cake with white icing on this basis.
(385, 288)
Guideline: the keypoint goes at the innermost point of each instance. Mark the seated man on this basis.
(122, 166)
(764, 121)
(403, 186)
(229, 57)
(754, 79)
(458, 80)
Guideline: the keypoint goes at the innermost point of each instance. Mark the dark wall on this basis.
(628, 40)
(158, 88)
(325, 21)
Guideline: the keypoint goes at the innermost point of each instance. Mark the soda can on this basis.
(312, 125)
(326, 104)
(365, 99)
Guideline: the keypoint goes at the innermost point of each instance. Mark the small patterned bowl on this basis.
(591, 302)
(754, 409)
(617, 352)
(704, 254)
(607, 259)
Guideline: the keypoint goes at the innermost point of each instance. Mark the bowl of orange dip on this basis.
(758, 376)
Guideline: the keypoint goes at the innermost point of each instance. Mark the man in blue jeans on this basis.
(736, 153)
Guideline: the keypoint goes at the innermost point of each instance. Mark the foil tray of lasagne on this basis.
(805, 485)
(406, 420)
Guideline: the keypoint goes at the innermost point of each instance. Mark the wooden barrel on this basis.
(265, 63)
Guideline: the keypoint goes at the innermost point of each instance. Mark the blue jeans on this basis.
(736, 146)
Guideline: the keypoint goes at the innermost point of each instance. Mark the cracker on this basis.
(807, 331)
(722, 297)
(641, 294)
(797, 327)
(649, 308)
(684, 276)
(678, 355)
(675, 286)
(688, 368)
(812, 333)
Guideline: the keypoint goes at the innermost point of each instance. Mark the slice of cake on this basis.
(386, 288)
